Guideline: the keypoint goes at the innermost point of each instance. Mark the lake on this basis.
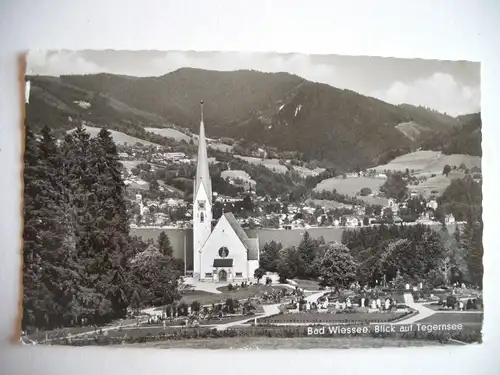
(182, 239)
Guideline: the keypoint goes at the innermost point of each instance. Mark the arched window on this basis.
(202, 217)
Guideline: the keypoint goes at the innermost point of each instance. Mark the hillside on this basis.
(464, 139)
(428, 162)
(429, 118)
(59, 104)
(340, 127)
(118, 137)
(425, 165)
(230, 97)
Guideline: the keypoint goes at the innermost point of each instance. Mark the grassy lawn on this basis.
(450, 318)
(197, 295)
(351, 185)
(208, 298)
(307, 284)
(214, 321)
(311, 317)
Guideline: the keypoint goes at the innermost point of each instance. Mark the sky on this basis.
(451, 87)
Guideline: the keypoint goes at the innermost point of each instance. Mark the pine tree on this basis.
(31, 243)
(48, 246)
(79, 183)
(111, 245)
(164, 245)
(58, 242)
(308, 248)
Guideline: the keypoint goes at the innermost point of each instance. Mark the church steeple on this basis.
(202, 169)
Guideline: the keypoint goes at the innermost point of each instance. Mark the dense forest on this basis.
(80, 264)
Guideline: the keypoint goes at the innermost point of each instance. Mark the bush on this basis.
(365, 191)
(230, 287)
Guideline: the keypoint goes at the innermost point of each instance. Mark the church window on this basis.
(208, 274)
(202, 217)
(239, 274)
(223, 252)
(201, 205)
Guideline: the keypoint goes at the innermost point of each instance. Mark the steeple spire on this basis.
(202, 170)
(201, 110)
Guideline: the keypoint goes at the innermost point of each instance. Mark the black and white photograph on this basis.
(237, 200)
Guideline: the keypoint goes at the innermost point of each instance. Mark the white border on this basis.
(446, 29)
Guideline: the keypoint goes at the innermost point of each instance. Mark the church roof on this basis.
(202, 169)
(251, 244)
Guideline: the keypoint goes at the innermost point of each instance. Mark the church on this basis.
(224, 253)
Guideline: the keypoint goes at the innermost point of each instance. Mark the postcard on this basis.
(224, 200)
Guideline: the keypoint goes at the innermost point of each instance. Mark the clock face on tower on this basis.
(201, 205)
(223, 252)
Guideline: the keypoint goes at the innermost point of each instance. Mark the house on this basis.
(449, 219)
(432, 204)
(352, 222)
(175, 155)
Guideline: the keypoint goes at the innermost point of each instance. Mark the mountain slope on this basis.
(59, 104)
(279, 110)
(463, 139)
(229, 96)
(328, 123)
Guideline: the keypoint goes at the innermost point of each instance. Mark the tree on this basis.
(154, 277)
(269, 256)
(446, 170)
(135, 301)
(462, 198)
(472, 242)
(365, 191)
(258, 274)
(111, 242)
(247, 204)
(154, 186)
(307, 250)
(337, 267)
(195, 307)
(394, 186)
(231, 305)
(164, 244)
(288, 265)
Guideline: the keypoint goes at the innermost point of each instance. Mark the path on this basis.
(314, 297)
(269, 310)
(98, 330)
(423, 312)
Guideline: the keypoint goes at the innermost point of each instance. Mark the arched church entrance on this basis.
(222, 275)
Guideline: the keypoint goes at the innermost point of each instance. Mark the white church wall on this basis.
(224, 235)
(201, 229)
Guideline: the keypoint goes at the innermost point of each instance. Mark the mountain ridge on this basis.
(279, 110)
